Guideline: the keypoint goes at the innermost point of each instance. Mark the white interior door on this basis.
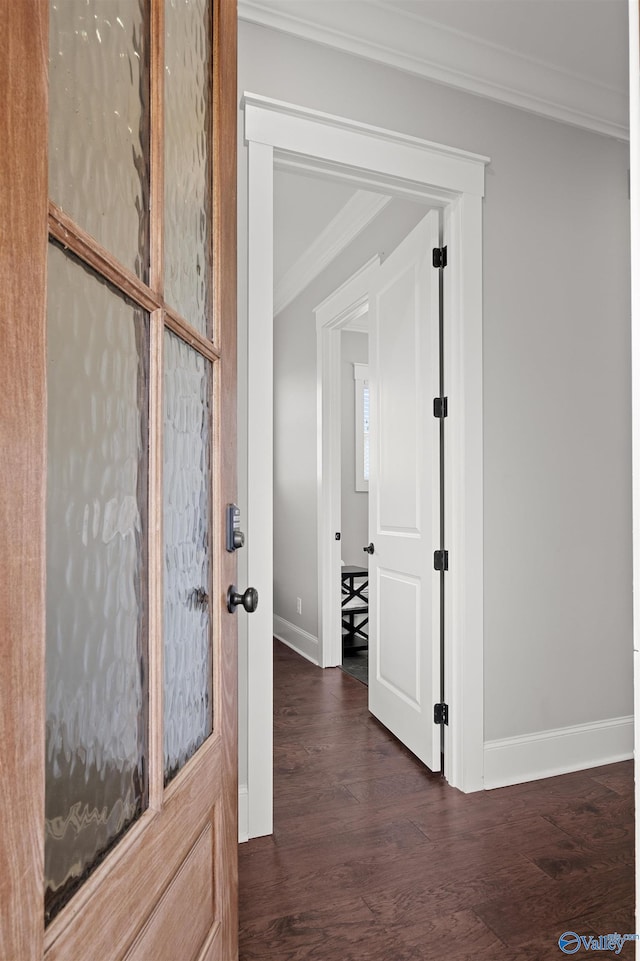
(404, 494)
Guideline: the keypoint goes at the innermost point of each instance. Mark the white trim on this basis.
(464, 597)
(243, 813)
(448, 178)
(359, 325)
(259, 551)
(515, 760)
(285, 126)
(634, 163)
(335, 314)
(313, 167)
(356, 214)
(430, 50)
(298, 640)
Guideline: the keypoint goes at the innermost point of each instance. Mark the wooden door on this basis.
(118, 440)
(404, 493)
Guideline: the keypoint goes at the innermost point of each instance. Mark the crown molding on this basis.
(427, 49)
(356, 214)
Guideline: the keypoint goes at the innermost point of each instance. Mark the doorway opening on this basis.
(355, 472)
(432, 174)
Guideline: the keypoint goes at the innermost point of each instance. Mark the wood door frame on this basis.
(316, 142)
(28, 219)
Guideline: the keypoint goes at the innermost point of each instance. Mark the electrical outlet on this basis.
(299, 605)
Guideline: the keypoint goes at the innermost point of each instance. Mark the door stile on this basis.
(24, 28)
(224, 236)
(224, 331)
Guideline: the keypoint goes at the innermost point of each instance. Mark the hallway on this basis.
(376, 859)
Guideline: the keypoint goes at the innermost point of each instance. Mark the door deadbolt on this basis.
(234, 536)
(248, 600)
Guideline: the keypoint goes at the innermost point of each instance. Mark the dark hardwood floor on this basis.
(376, 859)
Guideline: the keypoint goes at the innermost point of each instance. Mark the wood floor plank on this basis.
(576, 857)
(296, 876)
(604, 820)
(617, 777)
(348, 933)
(550, 905)
(374, 858)
(306, 934)
(422, 899)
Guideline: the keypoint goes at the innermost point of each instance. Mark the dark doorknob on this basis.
(249, 599)
(370, 549)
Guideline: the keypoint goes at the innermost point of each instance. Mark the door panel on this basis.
(155, 849)
(399, 664)
(192, 885)
(403, 493)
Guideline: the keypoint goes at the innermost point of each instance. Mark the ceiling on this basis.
(566, 59)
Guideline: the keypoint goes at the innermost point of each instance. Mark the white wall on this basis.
(556, 367)
(354, 504)
(294, 470)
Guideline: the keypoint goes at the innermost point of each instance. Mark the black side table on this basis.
(355, 608)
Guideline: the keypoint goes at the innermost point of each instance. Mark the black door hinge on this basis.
(439, 257)
(440, 713)
(440, 406)
(441, 560)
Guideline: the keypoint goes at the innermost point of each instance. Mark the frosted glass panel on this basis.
(96, 740)
(99, 122)
(188, 160)
(188, 715)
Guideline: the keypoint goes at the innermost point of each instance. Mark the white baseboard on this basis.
(243, 813)
(515, 760)
(298, 640)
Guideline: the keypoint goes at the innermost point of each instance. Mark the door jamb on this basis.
(342, 307)
(444, 176)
